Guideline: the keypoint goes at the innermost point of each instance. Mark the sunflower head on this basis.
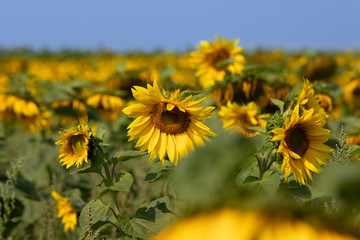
(167, 125)
(302, 144)
(211, 60)
(319, 67)
(309, 100)
(108, 106)
(74, 145)
(65, 211)
(352, 94)
(240, 118)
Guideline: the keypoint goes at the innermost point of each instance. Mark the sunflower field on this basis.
(215, 143)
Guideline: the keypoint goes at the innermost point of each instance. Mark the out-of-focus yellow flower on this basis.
(302, 144)
(24, 112)
(319, 68)
(171, 125)
(74, 145)
(108, 106)
(65, 211)
(232, 224)
(235, 117)
(70, 111)
(352, 94)
(211, 57)
(308, 100)
(4, 81)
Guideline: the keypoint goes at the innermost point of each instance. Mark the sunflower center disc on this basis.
(356, 91)
(77, 143)
(218, 57)
(173, 122)
(296, 140)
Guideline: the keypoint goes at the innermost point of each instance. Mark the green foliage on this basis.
(148, 220)
(126, 155)
(158, 171)
(279, 104)
(122, 182)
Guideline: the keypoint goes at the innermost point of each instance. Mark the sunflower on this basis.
(211, 57)
(308, 100)
(302, 144)
(325, 102)
(70, 110)
(171, 125)
(74, 145)
(25, 112)
(108, 106)
(240, 118)
(352, 94)
(65, 211)
(233, 224)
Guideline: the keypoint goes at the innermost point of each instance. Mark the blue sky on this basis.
(178, 25)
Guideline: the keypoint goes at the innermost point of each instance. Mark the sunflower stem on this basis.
(113, 193)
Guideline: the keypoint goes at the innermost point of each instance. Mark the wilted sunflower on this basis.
(171, 125)
(211, 57)
(233, 224)
(240, 118)
(352, 94)
(308, 99)
(65, 211)
(108, 106)
(74, 145)
(302, 144)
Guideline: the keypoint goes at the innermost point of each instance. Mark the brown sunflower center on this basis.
(218, 57)
(77, 143)
(173, 122)
(356, 91)
(296, 140)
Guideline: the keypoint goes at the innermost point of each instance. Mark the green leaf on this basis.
(27, 188)
(151, 211)
(198, 94)
(97, 158)
(98, 212)
(158, 171)
(123, 182)
(355, 149)
(126, 155)
(278, 103)
(142, 228)
(258, 129)
(268, 184)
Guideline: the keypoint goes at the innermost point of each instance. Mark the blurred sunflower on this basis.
(232, 224)
(74, 145)
(24, 112)
(302, 144)
(325, 102)
(70, 110)
(239, 118)
(211, 60)
(171, 125)
(108, 106)
(65, 211)
(308, 99)
(352, 94)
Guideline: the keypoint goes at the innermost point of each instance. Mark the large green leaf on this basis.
(127, 155)
(269, 184)
(122, 183)
(158, 171)
(98, 212)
